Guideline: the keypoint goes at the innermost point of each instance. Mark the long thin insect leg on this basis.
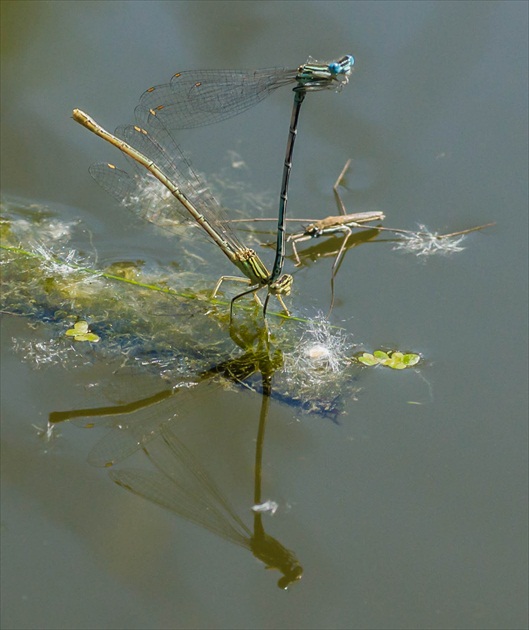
(252, 290)
(339, 202)
(337, 262)
(231, 279)
(294, 249)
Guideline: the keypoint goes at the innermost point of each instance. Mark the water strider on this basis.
(344, 224)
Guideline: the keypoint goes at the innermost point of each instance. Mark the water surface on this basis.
(402, 515)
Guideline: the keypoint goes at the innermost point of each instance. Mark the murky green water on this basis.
(402, 495)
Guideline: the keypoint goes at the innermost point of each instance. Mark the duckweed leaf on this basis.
(411, 359)
(81, 332)
(394, 360)
(368, 359)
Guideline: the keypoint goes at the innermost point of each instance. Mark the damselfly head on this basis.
(283, 285)
(317, 75)
(342, 68)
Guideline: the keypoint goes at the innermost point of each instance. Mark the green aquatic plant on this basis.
(391, 359)
(81, 332)
(147, 318)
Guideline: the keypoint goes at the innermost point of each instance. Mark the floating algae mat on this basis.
(158, 320)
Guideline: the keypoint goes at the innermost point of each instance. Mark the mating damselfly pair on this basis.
(199, 98)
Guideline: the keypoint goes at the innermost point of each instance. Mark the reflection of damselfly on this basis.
(202, 97)
(182, 485)
(180, 482)
(160, 155)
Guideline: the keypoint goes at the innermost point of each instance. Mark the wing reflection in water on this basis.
(183, 486)
(180, 482)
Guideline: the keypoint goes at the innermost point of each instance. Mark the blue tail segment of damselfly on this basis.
(160, 155)
(195, 98)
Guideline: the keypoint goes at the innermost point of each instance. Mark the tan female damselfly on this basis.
(157, 151)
